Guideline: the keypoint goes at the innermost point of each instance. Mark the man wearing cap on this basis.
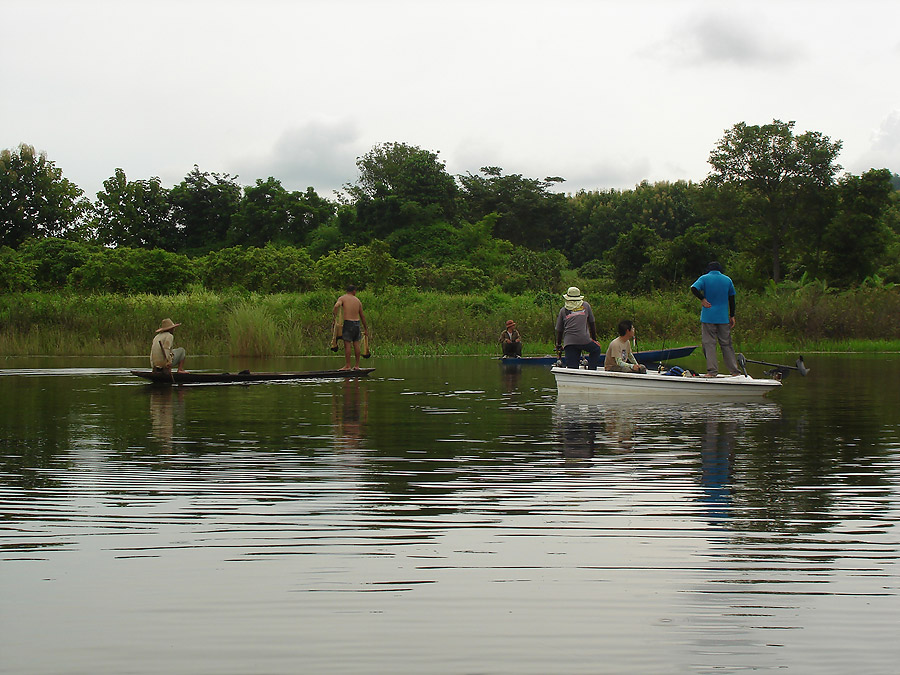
(162, 356)
(576, 332)
(510, 341)
(716, 294)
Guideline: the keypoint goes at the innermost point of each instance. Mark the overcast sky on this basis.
(605, 93)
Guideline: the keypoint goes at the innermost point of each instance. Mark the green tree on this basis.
(529, 213)
(630, 255)
(856, 240)
(776, 171)
(35, 199)
(669, 209)
(401, 185)
(270, 213)
(134, 213)
(204, 204)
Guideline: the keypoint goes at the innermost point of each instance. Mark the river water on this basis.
(445, 516)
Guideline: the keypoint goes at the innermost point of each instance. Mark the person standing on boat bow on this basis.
(162, 356)
(716, 293)
(576, 332)
(353, 315)
(510, 340)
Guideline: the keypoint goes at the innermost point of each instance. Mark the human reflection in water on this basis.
(350, 411)
(511, 376)
(165, 404)
(584, 430)
(717, 459)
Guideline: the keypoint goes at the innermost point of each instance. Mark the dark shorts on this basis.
(351, 332)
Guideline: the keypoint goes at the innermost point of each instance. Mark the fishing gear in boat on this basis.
(778, 371)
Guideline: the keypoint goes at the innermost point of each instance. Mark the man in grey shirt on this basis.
(576, 332)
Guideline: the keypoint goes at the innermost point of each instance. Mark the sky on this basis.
(605, 94)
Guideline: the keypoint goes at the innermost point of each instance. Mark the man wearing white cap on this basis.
(162, 356)
(576, 332)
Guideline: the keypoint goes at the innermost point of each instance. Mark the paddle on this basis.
(781, 370)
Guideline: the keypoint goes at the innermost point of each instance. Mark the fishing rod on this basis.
(778, 371)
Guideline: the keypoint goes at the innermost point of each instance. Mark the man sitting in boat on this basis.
(162, 356)
(510, 341)
(619, 357)
(576, 332)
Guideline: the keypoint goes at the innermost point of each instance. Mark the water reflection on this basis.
(166, 403)
(350, 413)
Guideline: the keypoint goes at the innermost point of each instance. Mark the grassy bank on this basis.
(410, 322)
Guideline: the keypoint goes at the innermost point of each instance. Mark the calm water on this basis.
(445, 516)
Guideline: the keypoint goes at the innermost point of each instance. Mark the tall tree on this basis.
(400, 185)
(530, 214)
(35, 199)
(134, 213)
(857, 238)
(776, 171)
(204, 205)
(270, 213)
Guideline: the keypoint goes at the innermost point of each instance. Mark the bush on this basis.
(131, 270)
(16, 274)
(53, 259)
(271, 269)
(363, 266)
(452, 278)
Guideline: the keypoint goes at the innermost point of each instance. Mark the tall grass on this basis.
(411, 322)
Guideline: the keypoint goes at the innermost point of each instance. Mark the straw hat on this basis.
(510, 323)
(573, 294)
(166, 324)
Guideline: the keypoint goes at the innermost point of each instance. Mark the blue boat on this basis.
(648, 358)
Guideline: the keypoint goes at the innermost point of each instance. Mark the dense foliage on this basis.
(773, 208)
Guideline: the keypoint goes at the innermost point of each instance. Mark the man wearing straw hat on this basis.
(162, 356)
(510, 340)
(576, 332)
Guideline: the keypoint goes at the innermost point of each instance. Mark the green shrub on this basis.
(53, 260)
(131, 270)
(270, 269)
(364, 266)
(16, 273)
(452, 278)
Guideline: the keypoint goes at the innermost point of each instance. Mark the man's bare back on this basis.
(352, 307)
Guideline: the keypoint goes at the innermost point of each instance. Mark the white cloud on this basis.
(884, 151)
(318, 154)
(725, 39)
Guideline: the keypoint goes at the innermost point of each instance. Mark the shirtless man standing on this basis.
(353, 315)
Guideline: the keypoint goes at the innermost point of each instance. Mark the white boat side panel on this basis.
(571, 381)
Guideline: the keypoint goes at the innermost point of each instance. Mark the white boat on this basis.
(605, 383)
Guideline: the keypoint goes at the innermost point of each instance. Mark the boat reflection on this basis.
(584, 430)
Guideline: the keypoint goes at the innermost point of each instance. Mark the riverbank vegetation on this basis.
(442, 261)
(787, 317)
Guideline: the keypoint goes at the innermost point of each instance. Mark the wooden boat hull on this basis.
(603, 383)
(221, 378)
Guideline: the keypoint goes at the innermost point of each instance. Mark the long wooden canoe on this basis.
(245, 376)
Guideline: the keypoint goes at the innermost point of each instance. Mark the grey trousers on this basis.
(711, 334)
(178, 355)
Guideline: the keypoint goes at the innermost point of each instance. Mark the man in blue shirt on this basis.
(716, 294)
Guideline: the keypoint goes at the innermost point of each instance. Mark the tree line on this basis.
(774, 207)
